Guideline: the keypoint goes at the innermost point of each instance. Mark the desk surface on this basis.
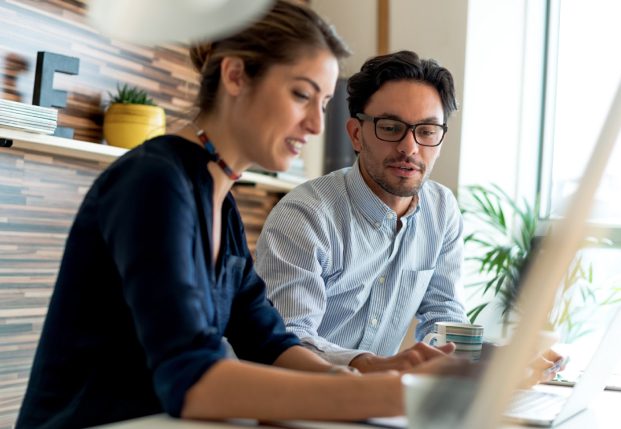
(602, 414)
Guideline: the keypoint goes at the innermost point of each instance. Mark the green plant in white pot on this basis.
(132, 117)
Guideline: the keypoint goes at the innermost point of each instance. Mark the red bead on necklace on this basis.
(215, 156)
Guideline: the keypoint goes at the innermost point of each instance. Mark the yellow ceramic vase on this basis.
(128, 125)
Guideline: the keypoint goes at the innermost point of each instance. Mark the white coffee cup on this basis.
(468, 339)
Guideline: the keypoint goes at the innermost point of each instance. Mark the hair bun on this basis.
(200, 54)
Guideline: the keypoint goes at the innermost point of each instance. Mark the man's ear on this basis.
(232, 75)
(354, 130)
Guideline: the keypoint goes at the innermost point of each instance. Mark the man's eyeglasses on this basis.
(393, 130)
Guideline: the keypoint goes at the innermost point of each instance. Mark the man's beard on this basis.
(402, 189)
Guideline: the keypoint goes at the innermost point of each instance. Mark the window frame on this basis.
(545, 159)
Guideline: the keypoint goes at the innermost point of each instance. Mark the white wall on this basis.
(356, 22)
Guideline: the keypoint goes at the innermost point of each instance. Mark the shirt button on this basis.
(381, 280)
(377, 224)
(374, 322)
(389, 215)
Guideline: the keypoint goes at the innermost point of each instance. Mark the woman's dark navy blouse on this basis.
(139, 309)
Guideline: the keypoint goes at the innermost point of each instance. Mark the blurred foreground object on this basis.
(160, 21)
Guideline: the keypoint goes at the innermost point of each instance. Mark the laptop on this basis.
(481, 403)
(544, 409)
(538, 407)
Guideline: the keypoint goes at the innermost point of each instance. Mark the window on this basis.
(584, 69)
(539, 79)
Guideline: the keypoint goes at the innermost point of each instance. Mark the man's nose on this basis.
(408, 145)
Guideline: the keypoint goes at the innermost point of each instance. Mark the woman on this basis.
(156, 270)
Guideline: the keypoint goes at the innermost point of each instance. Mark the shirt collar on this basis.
(369, 204)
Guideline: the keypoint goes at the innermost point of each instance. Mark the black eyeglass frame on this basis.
(408, 127)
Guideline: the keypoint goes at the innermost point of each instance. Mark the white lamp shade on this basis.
(161, 21)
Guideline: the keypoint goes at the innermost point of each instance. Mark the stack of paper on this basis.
(28, 117)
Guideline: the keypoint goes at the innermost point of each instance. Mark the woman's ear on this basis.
(354, 129)
(232, 75)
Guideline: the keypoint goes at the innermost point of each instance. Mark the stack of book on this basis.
(27, 117)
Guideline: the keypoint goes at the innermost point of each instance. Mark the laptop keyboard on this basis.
(527, 403)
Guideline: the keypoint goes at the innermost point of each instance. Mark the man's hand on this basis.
(407, 360)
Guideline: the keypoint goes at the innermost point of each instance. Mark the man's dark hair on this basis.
(402, 65)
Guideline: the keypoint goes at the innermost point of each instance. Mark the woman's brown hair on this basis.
(287, 32)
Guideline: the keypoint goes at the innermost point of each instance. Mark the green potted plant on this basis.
(500, 244)
(132, 117)
(499, 247)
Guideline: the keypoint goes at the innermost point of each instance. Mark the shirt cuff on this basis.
(331, 352)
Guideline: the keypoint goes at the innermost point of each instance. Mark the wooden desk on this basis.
(602, 414)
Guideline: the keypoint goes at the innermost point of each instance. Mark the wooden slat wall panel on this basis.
(39, 194)
(60, 26)
(254, 206)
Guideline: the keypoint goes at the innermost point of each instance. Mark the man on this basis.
(352, 257)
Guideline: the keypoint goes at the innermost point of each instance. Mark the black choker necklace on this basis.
(215, 156)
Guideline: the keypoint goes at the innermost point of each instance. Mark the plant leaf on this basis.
(474, 313)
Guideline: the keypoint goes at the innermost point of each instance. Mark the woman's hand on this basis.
(544, 368)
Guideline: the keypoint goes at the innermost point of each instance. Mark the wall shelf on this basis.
(60, 146)
(106, 154)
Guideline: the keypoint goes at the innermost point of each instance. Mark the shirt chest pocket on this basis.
(412, 288)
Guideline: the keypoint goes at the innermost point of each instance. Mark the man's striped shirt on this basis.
(347, 279)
